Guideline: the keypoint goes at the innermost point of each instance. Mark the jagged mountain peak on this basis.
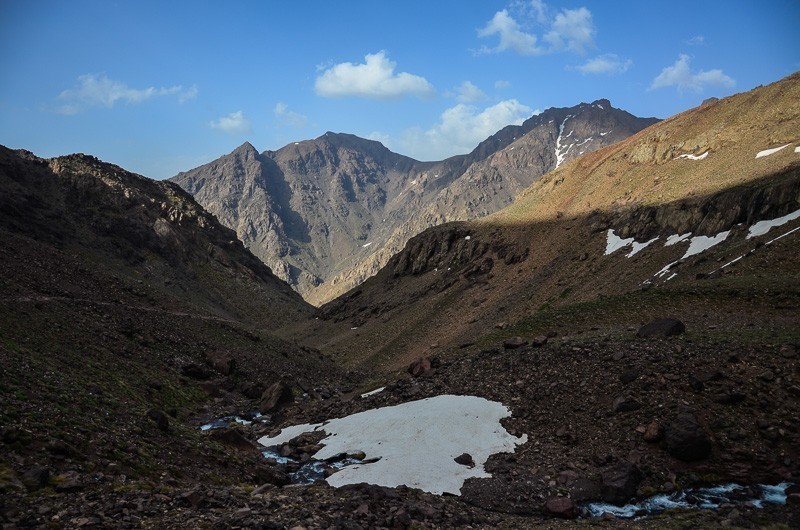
(245, 148)
(327, 213)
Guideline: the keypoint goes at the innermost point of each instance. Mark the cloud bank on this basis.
(460, 129)
(233, 123)
(608, 64)
(374, 79)
(94, 90)
(681, 76)
(569, 30)
(288, 117)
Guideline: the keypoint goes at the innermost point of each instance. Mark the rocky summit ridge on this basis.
(327, 213)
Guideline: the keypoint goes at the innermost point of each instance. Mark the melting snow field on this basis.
(767, 152)
(416, 442)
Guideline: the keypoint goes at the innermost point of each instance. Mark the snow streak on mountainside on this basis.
(327, 213)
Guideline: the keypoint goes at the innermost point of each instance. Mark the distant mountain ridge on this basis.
(327, 213)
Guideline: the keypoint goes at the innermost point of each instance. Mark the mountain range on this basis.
(635, 310)
(327, 213)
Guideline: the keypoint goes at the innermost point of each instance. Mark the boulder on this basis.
(68, 482)
(620, 482)
(653, 433)
(195, 371)
(625, 404)
(729, 397)
(271, 475)
(686, 439)
(160, 418)
(662, 327)
(275, 397)
(562, 507)
(232, 438)
(36, 478)
(539, 341)
(513, 343)
(465, 459)
(221, 362)
(420, 367)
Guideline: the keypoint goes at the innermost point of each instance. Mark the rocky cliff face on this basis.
(325, 214)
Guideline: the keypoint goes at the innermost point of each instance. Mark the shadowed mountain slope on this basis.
(455, 282)
(327, 213)
(125, 309)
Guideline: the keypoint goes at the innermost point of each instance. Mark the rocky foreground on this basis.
(651, 414)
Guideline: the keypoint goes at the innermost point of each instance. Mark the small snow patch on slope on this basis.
(767, 152)
(762, 227)
(689, 156)
(373, 392)
(636, 247)
(614, 242)
(675, 239)
(561, 151)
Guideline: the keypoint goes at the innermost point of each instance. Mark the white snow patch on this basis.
(690, 156)
(600, 107)
(373, 392)
(414, 181)
(797, 149)
(416, 442)
(696, 245)
(604, 133)
(365, 245)
(559, 154)
(636, 247)
(767, 152)
(675, 239)
(762, 227)
(701, 243)
(467, 238)
(614, 242)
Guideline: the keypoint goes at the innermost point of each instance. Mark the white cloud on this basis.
(539, 8)
(461, 128)
(467, 92)
(573, 30)
(569, 30)
(233, 123)
(511, 36)
(289, 117)
(501, 84)
(373, 79)
(95, 90)
(680, 75)
(696, 40)
(608, 63)
(188, 94)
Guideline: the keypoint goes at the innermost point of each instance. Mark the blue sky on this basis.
(162, 87)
